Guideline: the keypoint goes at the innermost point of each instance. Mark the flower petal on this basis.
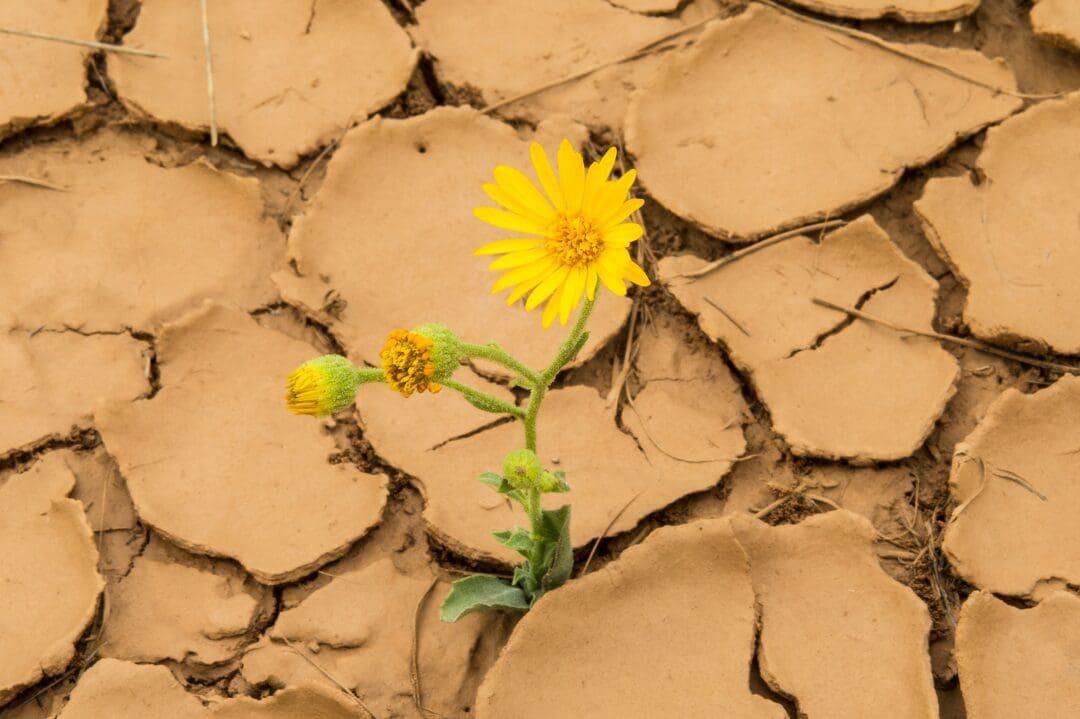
(511, 203)
(635, 274)
(514, 244)
(571, 175)
(628, 208)
(571, 293)
(550, 311)
(517, 259)
(521, 188)
(611, 276)
(522, 289)
(546, 175)
(622, 235)
(524, 274)
(590, 282)
(598, 173)
(612, 195)
(507, 220)
(545, 288)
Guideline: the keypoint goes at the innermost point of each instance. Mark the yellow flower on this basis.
(322, 386)
(577, 234)
(408, 363)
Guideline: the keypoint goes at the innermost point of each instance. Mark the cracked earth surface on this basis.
(795, 512)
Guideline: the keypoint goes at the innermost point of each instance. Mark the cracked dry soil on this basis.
(779, 510)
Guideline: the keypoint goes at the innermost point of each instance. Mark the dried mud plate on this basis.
(122, 690)
(1057, 22)
(114, 250)
(768, 122)
(682, 600)
(1011, 234)
(1017, 662)
(285, 82)
(48, 571)
(359, 629)
(837, 633)
(834, 387)
(1014, 481)
(216, 463)
(44, 81)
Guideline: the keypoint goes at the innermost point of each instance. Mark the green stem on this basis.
(485, 401)
(497, 354)
(369, 374)
(534, 509)
(569, 348)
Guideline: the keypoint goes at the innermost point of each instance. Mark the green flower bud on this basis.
(522, 469)
(323, 385)
(446, 351)
(551, 483)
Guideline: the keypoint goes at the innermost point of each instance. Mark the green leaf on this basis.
(521, 574)
(520, 540)
(490, 478)
(557, 531)
(480, 591)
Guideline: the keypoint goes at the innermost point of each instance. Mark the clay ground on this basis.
(781, 508)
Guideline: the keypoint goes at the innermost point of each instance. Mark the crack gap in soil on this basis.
(846, 322)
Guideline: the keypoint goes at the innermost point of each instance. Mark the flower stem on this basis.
(485, 401)
(570, 347)
(497, 354)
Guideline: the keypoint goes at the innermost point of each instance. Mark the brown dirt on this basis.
(255, 564)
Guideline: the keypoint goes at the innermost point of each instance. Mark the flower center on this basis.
(574, 240)
(406, 360)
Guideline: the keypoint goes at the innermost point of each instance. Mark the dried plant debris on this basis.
(907, 10)
(112, 251)
(48, 571)
(762, 125)
(370, 261)
(682, 600)
(563, 42)
(217, 465)
(360, 630)
(1013, 530)
(1057, 22)
(1019, 662)
(837, 633)
(44, 81)
(834, 387)
(175, 606)
(610, 490)
(285, 82)
(50, 381)
(1009, 233)
(122, 690)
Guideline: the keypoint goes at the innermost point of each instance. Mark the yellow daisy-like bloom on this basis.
(408, 364)
(577, 231)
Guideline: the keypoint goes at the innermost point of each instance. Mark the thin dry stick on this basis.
(310, 169)
(596, 543)
(739, 254)
(414, 665)
(645, 49)
(973, 344)
(724, 312)
(894, 49)
(339, 685)
(107, 47)
(209, 73)
(33, 182)
(760, 514)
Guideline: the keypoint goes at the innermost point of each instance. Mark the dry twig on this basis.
(895, 50)
(973, 344)
(750, 249)
(209, 73)
(106, 47)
